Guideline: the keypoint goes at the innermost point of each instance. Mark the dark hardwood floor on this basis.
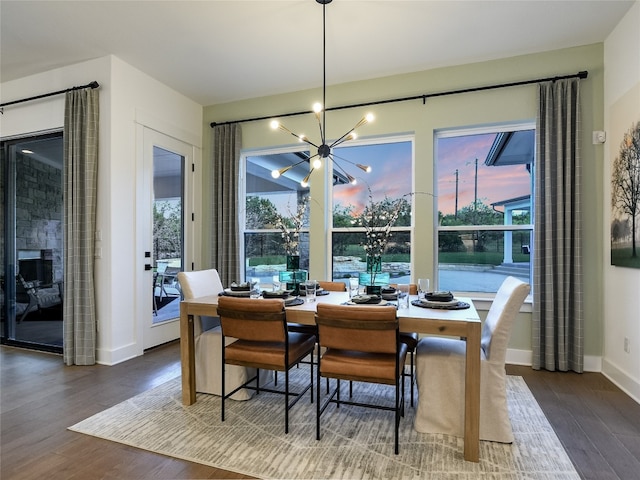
(597, 423)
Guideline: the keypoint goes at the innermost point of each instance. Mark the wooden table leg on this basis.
(472, 395)
(187, 356)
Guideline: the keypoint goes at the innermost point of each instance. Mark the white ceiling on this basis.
(220, 51)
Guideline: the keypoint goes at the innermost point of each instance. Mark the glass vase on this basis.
(293, 262)
(374, 264)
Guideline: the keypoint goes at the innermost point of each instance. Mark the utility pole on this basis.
(456, 173)
(475, 207)
(475, 195)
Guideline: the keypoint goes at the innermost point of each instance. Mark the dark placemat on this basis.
(455, 306)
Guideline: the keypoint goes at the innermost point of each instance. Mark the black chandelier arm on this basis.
(299, 137)
(321, 128)
(333, 155)
(281, 171)
(339, 167)
(342, 139)
(364, 168)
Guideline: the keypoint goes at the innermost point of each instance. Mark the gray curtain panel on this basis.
(80, 181)
(558, 330)
(227, 142)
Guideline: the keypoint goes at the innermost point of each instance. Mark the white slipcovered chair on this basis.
(440, 366)
(208, 340)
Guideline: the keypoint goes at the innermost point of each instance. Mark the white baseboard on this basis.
(113, 357)
(525, 357)
(622, 380)
(519, 357)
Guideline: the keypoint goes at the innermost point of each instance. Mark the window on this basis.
(268, 199)
(485, 191)
(389, 183)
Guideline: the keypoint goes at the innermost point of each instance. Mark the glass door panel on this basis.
(168, 228)
(32, 244)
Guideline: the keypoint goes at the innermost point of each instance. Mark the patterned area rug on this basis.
(356, 443)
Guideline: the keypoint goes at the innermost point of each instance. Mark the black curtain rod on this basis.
(424, 97)
(93, 84)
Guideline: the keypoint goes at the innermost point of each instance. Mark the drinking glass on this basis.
(310, 288)
(276, 282)
(353, 287)
(403, 295)
(255, 288)
(423, 288)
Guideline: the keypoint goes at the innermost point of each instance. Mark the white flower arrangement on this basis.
(290, 228)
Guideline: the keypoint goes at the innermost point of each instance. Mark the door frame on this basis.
(148, 334)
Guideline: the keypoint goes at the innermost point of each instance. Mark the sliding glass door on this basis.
(31, 271)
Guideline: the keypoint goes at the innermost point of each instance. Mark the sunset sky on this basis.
(390, 163)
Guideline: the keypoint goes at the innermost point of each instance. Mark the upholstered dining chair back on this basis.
(504, 309)
(413, 288)
(332, 286)
(440, 370)
(199, 284)
(208, 337)
(358, 328)
(263, 320)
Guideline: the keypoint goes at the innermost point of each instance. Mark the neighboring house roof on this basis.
(512, 148)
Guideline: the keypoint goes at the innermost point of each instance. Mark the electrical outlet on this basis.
(598, 137)
(626, 345)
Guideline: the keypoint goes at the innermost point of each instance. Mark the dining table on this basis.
(461, 323)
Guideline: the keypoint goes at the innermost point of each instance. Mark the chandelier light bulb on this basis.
(317, 107)
(352, 180)
(369, 117)
(275, 173)
(317, 163)
(364, 168)
(302, 138)
(275, 124)
(305, 181)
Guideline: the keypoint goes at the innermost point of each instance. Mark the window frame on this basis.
(480, 130)
(242, 197)
(372, 141)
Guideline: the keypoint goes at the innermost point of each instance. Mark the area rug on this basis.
(356, 443)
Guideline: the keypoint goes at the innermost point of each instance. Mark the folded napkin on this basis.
(441, 296)
(365, 299)
(276, 294)
(240, 287)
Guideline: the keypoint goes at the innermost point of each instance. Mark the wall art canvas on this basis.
(625, 180)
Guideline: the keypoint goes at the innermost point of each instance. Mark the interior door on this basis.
(162, 234)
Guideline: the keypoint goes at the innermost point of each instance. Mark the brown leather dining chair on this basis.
(362, 344)
(263, 342)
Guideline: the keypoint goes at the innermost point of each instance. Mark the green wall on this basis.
(512, 104)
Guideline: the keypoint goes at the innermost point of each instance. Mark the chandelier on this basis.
(324, 151)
